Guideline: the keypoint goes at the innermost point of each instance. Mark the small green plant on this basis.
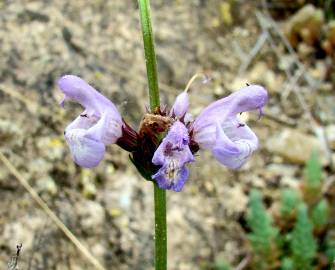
(300, 238)
(263, 234)
(303, 244)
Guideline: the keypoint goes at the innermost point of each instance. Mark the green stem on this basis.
(160, 228)
(149, 51)
(159, 194)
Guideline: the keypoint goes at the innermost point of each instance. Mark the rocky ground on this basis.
(110, 208)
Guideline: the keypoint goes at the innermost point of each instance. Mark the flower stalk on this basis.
(150, 55)
(159, 194)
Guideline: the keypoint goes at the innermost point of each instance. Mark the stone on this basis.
(324, 108)
(47, 185)
(319, 71)
(235, 200)
(305, 25)
(22, 232)
(92, 215)
(87, 181)
(295, 146)
(9, 132)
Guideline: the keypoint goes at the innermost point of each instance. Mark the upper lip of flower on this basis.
(249, 98)
(76, 89)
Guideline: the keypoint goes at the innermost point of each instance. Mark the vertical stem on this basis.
(160, 228)
(149, 51)
(159, 194)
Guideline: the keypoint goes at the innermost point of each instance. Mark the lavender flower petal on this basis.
(86, 152)
(234, 145)
(83, 121)
(181, 175)
(180, 106)
(78, 90)
(249, 98)
(173, 154)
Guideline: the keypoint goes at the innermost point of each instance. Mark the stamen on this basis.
(205, 79)
(240, 125)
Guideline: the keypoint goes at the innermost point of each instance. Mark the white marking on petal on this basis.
(172, 170)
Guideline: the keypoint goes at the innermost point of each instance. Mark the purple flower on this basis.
(216, 128)
(98, 125)
(173, 154)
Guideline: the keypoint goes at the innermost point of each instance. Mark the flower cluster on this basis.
(167, 139)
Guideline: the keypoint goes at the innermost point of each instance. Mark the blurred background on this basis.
(277, 212)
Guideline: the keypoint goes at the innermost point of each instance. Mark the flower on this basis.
(98, 125)
(167, 140)
(216, 128)
(173, 154)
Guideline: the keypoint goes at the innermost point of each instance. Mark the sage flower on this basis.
(218, 129)
(98, 125)
(167, 139)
